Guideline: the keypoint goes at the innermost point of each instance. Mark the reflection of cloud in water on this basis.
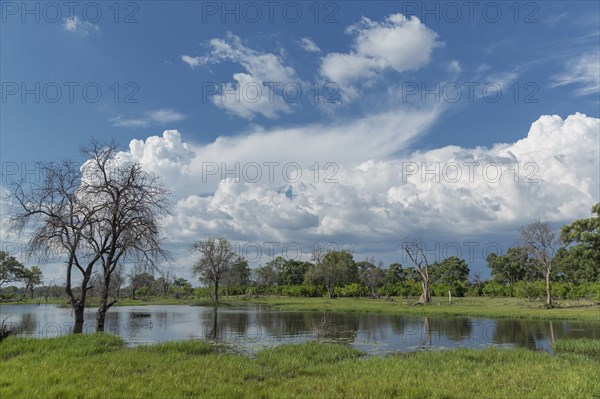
(248, 329)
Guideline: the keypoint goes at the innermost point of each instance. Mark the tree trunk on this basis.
(103, 307)
(426, 295)
(216, 296)
(78, 309)
(548, 289)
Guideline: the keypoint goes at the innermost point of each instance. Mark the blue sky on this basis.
(155, 71)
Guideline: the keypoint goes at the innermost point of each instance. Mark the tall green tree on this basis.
(334, 269)
(395, 274)
(267, 275)
(11, 269)
(293, 272)
(451, 271)
(238, 275)
(515, 265)
(579, 260)
(31, 278)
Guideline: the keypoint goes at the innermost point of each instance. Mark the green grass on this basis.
(468, 306)
(98, 366)
(584, 345)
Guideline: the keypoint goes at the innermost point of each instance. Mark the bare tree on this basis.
(371, 274)
(216, 258)
(118, 279)
(416, 252)
(61, 217)
(46, 287)
(105, 212)
(542, 243)
(127, 227)
(164, 282)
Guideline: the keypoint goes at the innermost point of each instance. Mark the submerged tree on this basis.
(127, 228)
(61, 215)
(101, 214)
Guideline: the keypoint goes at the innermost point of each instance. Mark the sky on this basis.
(287, 126)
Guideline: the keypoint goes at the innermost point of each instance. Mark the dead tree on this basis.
(416, 253)
(542, 243)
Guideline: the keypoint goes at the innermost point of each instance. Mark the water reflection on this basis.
(251, 328)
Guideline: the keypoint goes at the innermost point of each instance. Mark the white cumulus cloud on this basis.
(376, 197)
(257, 91)
(398, 43)
(309, 45)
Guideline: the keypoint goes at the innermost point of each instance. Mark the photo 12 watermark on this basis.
(470, 172)
(252, 12)
(491, 12)
(270, 171)
(469, 92)
(269, 92)
(70, 13)
(262, 252)
(68, 92)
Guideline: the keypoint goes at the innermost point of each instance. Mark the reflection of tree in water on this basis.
(398, 324)
(525, 333)
(28, 323)
(237, 322)
(454, 329)
(161, 318)
(214, 331)
(426, 340)
(374, 327)
(336, 327)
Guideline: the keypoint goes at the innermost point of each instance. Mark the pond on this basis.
(248, 329)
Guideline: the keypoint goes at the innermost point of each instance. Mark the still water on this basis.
(248, 329)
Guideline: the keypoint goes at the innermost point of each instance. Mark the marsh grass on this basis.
(99, 366)
(583, 345)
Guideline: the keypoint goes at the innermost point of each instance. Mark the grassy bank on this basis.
(584, 345)
(468, 306)
(99, 366)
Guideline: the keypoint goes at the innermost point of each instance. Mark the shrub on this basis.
(530, 290)
(351, 290)
(495, 289)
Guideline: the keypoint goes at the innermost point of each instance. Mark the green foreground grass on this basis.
(99, 366)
